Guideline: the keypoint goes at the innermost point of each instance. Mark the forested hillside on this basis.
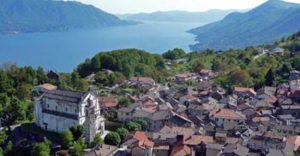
(38, 15)
(261, 25)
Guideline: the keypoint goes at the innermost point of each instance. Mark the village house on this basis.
(266, 140)
(186, 76)
(219, 115)
(142, 80)
(277, 51)
(53, 75)
(43, 88)
(107, 102)
(205, 85)
(244, 92)
(294, 74)
(206, 74)
(58, 110)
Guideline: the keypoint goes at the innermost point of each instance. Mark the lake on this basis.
(63, 51)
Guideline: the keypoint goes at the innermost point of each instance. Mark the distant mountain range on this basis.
(181, 16)
(49, 15)
(264, 24)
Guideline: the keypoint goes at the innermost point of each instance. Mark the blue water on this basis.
(63, 51)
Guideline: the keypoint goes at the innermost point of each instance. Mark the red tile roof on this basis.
(48, 86)
(295, 140)
(191, 97)
(224, 113)
(197, 139)
(244, 90)
(107, 101)
(182, 150)
(141, 137)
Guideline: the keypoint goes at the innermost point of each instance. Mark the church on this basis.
(58, 110)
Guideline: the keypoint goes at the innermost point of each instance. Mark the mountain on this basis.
(266, 23)
(180, 16)
(48, 15)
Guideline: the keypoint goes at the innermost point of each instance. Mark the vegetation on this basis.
(174, 54)
(129, 62)
(124, 102)
(37, 16)
(97, 140)
(143, 123)
(67, 138)
(41, 149)
(123, 132)
(133, 126)
(77, 150)
(112, 138)
(77, 131)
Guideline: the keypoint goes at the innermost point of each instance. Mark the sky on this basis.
(138, 6)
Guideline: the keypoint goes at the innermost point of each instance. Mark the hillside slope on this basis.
(263, 24)
(40, 15)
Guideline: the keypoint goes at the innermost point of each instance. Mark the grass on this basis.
(30, 127)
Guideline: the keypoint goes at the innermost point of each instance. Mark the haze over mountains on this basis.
(261, 25)
(39, 15)
(181, 16)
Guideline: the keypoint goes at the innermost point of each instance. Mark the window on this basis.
(66, 109)
(127, 113)
(75, 110)
(48, 106)
(56, 107)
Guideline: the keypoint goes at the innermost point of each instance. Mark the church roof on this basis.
(64, 95)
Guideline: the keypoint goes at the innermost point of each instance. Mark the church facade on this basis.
(58, 110)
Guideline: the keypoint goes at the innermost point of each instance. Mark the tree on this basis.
(143, 123)
(123, 132)
(97, 140)
(3, 137)
(124, 102)
(270, 76)
(23, 92)
(112, 138)
(77, 131)
(41, 149)
(240, 77)
(8, 148)
(132, 126)
(198, 66)
(11, 112)
(67, 138)
(77, 150)
(82, 85)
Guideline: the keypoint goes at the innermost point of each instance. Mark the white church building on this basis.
(58, 110)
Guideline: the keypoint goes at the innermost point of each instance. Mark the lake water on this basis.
(63, 51)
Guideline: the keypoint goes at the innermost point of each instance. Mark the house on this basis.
(182, 150)
(266, 140)
(219, 115)
(103, 150)
(295, 140)
(230, 102)
(205, 85)
(140, 144)
(206, 74)
(58, 110)
(142, 80)
(186, 76)
(287, 149)
(43, 88)
(179, 121)
(53, 75)
(244, 92)
(294, 74)
(213, 149)
(126, 113)
(234, 150)
(188, 98)
(107, 102)
(277, 51)
(265, 92)
(148, 101)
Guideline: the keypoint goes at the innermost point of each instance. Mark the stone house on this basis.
(186, 76)
(219, 115)
(206, 74)
(266, 140)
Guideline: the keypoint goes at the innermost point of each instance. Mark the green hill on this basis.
(39, 15)
(261, 25)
